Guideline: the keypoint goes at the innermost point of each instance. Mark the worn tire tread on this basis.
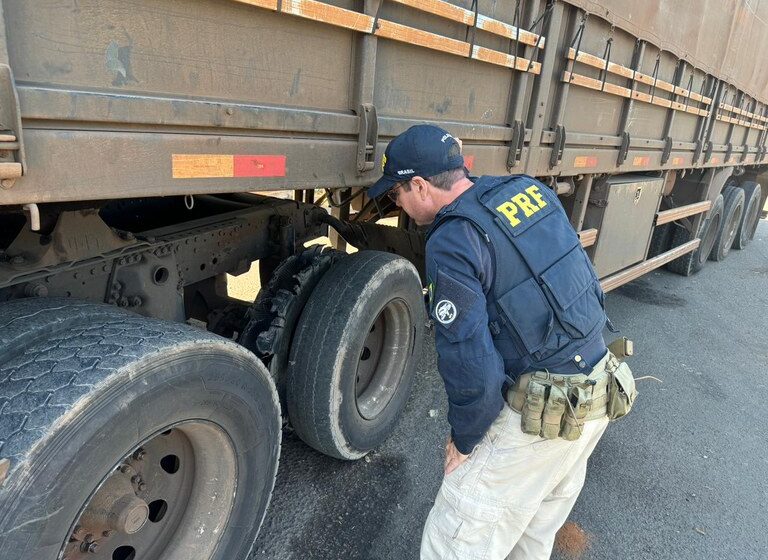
(55, 353)
(307, 391)
(733, 196)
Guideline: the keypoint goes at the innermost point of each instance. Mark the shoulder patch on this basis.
(458, 309)
(445, 311)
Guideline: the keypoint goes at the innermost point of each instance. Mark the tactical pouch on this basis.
(621, 391)
(553, 413)
(576, 415)
(533, 408)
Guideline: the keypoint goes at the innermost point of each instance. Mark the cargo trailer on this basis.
(146, 149)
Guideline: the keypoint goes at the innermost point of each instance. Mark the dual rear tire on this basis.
(733, 210)
(354, 354)
(730, 223)
(127, 437)
(691, 263)
(750, 216)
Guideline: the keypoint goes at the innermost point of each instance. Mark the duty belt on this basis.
(556, 405)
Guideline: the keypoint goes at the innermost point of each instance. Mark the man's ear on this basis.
(421, 185)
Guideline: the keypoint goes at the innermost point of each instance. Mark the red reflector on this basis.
(469, 162)
(259, 166)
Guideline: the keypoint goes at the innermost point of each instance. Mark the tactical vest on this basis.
(546, 306)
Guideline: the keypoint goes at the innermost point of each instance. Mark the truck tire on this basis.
(354, 354)
(660, 240)
(729, 226)
(691, 263)
(129, 437)
(751, 215)
(281, 301)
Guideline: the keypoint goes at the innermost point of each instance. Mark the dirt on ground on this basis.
(572, 541)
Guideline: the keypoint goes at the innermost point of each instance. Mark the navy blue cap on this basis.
(423, 150)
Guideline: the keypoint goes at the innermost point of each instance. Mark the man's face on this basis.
(416, 201)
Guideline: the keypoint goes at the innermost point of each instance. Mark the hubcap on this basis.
(168, 499)
(383, 358)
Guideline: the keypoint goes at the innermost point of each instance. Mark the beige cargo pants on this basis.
(511, 496)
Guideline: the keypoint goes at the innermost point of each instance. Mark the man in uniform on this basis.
(519, 319)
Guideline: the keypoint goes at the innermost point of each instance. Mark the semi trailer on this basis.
(151, 149)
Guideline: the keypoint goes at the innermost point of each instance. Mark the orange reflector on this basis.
(220, 166)
(677, 161)
(715, 160)
(585, 161)
(641, 160)
(469, 162)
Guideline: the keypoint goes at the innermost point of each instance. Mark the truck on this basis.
(152, 149)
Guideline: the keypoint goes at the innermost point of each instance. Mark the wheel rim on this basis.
(383, 359)
(709, 237)
(750, 221)
(733, 226)
(154, 503)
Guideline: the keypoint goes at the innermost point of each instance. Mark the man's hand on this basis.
(453, 458)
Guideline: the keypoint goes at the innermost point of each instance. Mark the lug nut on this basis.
(142, 486)
(139, 454)
(108, 533)
(136, 479)
(93, 547)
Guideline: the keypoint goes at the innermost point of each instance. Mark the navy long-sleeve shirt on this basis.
(460, 276)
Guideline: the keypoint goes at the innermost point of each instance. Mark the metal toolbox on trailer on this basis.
(618, 205)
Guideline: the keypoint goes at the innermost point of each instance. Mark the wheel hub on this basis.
(116, 507)
(382, 359)
(154, 502)
(733, 226)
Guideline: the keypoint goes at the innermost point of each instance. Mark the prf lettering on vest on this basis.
(529, 203)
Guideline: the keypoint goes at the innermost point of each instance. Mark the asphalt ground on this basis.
(682, 477)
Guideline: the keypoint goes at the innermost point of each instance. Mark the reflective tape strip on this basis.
(259, 166)
(220, 166)
(585, 161)
(641, 160)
